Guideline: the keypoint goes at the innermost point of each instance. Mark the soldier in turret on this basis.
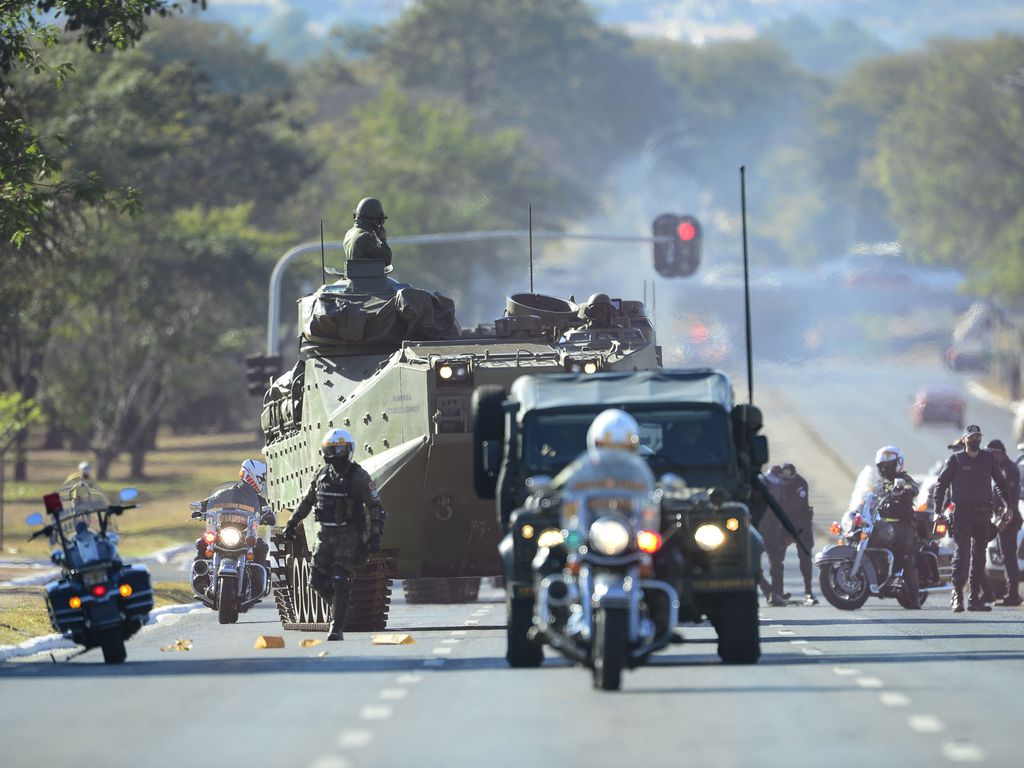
(367, 238)
(347, 507)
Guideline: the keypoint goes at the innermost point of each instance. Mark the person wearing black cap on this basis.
(969, 477)
(1009, 523)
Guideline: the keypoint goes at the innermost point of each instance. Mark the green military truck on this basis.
(703, 446)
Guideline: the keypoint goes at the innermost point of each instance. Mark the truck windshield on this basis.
(690, 437)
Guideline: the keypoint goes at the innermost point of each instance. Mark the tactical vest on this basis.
(334, 503)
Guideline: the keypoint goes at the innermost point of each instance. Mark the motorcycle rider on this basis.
(1010, 522)
(790, 489)
(969, 476)
(348, 509)
(367, 238)
(897, 509)
(253, 473)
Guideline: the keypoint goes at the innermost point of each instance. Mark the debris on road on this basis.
(393, 638)
(310, 642)
(178, 645)
(322, 654)
(269, 641)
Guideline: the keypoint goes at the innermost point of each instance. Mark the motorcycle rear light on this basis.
(858, 520)
(99, 590)
(209, 537)
(835, 529)
(75, 602)
(648, 541)
(941, 528)
(125, 590)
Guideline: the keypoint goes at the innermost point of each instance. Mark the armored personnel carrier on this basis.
(389, 363)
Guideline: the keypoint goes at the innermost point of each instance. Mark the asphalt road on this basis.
(879, 686)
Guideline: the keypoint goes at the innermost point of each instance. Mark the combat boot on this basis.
(340, 608)
(976, 600)
(957, 600)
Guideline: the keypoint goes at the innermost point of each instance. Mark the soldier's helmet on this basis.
(788, 471)
(254, 474)
(889, 460)
(369, 209)
(338, 444)
(599, 310)
(614, 428)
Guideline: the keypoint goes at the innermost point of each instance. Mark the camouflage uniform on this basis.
(367, 241)
(351, 521)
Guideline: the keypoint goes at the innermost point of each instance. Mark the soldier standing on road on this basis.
(1010, 522)
(367, 238)
(347, 507)
(790, 490)
(969, 476)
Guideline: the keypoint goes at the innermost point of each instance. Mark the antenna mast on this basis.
(746, 286)
(530, 214)
(323, 259)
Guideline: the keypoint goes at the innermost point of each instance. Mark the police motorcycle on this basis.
(862, 563)
(98, 600)
(227, 576)
(597, 602)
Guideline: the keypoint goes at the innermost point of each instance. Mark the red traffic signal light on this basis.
(677, 246)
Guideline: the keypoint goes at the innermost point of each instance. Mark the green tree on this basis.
(951, 162)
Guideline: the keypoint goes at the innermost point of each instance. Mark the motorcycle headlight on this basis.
(609, 536)
(230, 537)
(709, 537)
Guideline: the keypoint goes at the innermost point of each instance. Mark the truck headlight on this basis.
(609, 536)
(230, 537)
(709, 537)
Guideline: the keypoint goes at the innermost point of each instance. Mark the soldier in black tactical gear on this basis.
(351, 522)
(1009, 522)
(790, 490)
(367, 238)
(969, 476)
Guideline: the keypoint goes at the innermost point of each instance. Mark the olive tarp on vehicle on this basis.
(411, 314)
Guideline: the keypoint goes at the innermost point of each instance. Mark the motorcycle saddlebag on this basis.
(141, 600)
(63, 617)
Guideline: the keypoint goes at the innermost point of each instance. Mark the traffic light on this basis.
(678, 256)
(260, 370)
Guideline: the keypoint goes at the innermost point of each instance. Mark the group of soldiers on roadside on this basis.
(980, 485)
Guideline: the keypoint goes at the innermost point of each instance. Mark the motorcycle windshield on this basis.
(868, 483)
(608, 483)
(233, 498)
(81, 500)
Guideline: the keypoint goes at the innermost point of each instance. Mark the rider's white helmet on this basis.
(614, 429)
(254, 474)
(888, 453)
(338, 444)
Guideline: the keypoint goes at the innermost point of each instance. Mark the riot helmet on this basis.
(889, 460)
(370, 210)
(254, 474)
(614, 428)
(338, 446)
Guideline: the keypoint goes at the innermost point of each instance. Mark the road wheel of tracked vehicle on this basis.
(441, 590)
(112, 645)
(521, 652)
(611, 647)
(841, 588)
(227, 600)
(734, 617)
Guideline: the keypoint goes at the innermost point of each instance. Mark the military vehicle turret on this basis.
(388, 362)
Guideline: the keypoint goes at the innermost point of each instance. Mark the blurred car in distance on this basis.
(934, 405)
(966, 357)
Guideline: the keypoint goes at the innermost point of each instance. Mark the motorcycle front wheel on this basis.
(227, 600)
(611, 647)
(841, 588)
(112, 644)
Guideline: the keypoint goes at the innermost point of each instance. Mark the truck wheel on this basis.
(112, 644)
(227, 600)
(522, 652)
(734, 617)
(611, 647)
(489, 425)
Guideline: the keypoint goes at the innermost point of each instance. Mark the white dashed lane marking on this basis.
(408, 678)
(869, 682)
(329, 761)
(393, 693)
(894, 699)
(812, 651)
(786, 632)
(925, 724)
(375, 712)
(963, 752)
(458, 632)
(354, 738)
(845, 671)
(798, 641)
(450, 640)
(442, 650)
